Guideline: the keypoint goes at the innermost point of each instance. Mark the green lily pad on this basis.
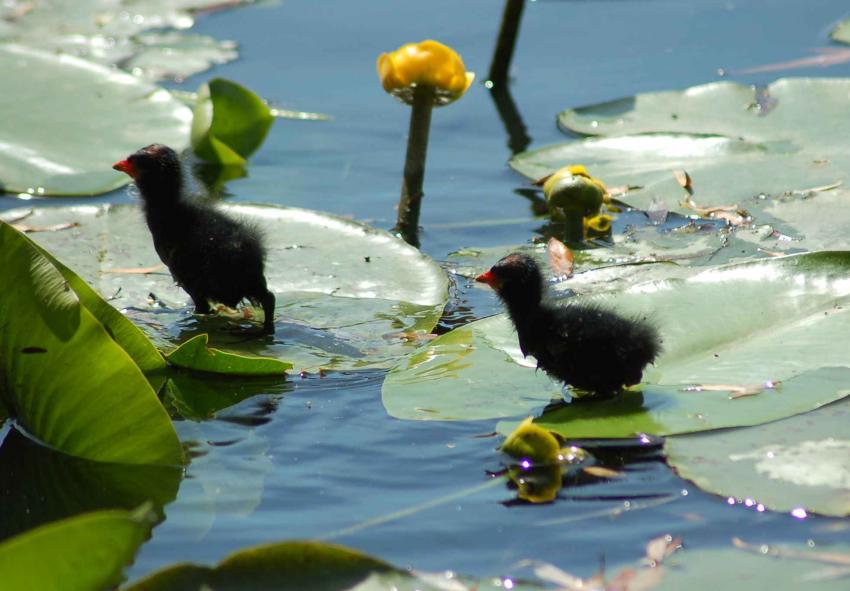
(39, 485)
(53, 104)
(798, 463)
(230, 122)
(62, 375)
(740, 145)
(742, 324)
(76, 554)
(348, 296)
(176, 56)
(112, 32)
(766, 566)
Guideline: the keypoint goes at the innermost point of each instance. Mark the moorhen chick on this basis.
(210, 255)
(582, 345)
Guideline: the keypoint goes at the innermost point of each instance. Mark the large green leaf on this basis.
(740, 145)
(54, 104)
(77, 554)
(39, 485)
(346, 293)
(63, 377)
(801, 462)
(124, 332)
(772, 320)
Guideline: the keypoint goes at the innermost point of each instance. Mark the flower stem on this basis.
(407, 224)
(504, 51)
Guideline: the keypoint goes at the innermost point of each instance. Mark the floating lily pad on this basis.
(53, 105)
(63, 377)
(800, 463)
(348, 296)
(740, 145)
(766, 566)
(176, 56)
(76, 554)
(743, 324)
(111, 32)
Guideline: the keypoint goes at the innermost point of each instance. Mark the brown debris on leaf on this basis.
(643, 578)
(561, 259)
(137, 270)
(27, 229)
(735, 390)
(411, 337)
(684, 179)
(731, 214)
(602, 472)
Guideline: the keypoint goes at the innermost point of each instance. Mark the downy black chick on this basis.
(582, 345)
(210, 255)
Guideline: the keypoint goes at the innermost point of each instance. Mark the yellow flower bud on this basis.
(427, 63)
(532, 442)
(573, 170)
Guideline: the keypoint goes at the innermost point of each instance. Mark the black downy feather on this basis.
(210, 255)
(582, 345)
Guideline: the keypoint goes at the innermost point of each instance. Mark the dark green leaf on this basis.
(194, 354)
(77, 554)
(230, 122)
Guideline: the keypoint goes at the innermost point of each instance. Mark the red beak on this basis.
(125, 166)
(490, 279)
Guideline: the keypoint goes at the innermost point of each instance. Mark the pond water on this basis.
(320, 457)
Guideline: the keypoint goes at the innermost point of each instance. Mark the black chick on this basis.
(210, 255)
(582, 345)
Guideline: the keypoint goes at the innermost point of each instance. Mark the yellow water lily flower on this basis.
(426, 63)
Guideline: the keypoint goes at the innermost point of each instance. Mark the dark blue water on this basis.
(322, 456)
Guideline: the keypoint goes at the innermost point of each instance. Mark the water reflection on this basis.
(604, 461)
(39, 485)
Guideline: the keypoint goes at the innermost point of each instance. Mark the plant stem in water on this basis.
(504, 51)
(407, 224)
